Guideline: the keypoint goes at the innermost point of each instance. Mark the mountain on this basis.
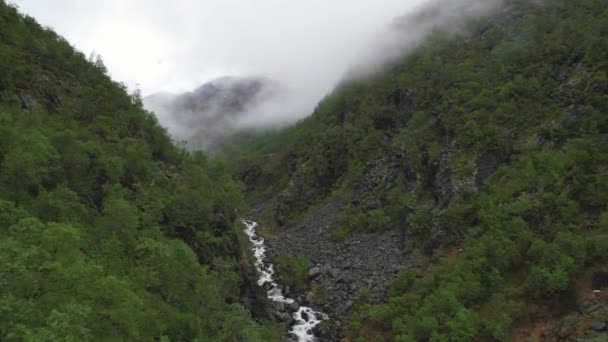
(108, 232)
(461, 193)
(215, 113)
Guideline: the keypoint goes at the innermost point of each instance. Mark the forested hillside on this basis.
(107, 230)
(487, 150)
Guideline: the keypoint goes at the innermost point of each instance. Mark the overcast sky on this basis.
(177, 45)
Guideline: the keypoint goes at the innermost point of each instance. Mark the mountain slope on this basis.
(107, 230)
(215, 113)
(486, 151)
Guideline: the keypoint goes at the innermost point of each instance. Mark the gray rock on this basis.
(279, 306)
(335, 273)
(598, 326)
(293, 307)
(27, 101)
(442, 185)
(310, 297)
(314, 272)
(286, 318)
(347, 264)
(325, 330)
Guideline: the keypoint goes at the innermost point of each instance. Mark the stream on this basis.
(305, 318)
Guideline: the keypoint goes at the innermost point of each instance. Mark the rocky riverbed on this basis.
(300, 319)
(340, 270)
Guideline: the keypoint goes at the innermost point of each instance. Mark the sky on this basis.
(175, 46)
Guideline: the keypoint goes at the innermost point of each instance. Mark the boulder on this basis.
(279, 306)
(310, 297)
(325, 330)
(314, 272)
(348, 305)
(27, 101)
(292, 307)
(286, 318)
(598, 326)
(335, 273)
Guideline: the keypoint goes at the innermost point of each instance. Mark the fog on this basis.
(306, 47)
(406, 31)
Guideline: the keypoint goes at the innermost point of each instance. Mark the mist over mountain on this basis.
(217, 111)
(407, 30)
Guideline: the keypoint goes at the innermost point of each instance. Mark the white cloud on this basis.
(177, 45)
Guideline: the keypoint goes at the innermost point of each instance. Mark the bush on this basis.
(293, 271)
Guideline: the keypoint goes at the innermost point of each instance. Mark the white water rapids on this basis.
(305, 318)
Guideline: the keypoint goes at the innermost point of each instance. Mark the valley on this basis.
(455, 189)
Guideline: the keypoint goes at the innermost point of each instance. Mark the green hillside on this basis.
(107, 231)
(487, 149)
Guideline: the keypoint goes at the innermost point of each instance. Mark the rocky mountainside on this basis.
(476, 162)
(213, 114)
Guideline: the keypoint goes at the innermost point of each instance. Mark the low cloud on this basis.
(306, 47)
(298, 90)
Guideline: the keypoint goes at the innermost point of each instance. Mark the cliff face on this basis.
(479, 155)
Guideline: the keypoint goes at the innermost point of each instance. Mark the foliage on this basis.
(107, 230)
(293, 271)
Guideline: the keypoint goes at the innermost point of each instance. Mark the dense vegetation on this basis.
(293, 271)
(107, 230)
(491, 143)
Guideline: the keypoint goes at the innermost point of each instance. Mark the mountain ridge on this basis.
(214, 114)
